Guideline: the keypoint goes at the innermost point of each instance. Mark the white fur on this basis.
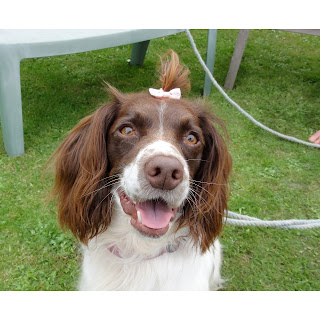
(161, 111)
(142, 266)
(136, 186)
(184, 269)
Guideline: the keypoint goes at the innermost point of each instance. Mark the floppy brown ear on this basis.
(209, 186)
(81, 164)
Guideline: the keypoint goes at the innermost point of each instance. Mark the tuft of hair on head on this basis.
(115, 94)
(173, 74)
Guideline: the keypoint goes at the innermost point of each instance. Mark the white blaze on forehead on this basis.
(161, 111)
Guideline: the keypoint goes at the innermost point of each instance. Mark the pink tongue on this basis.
(154, 214)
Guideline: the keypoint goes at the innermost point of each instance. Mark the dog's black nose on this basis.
(164, 172)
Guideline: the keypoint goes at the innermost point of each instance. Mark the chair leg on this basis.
(10, 106)
(236, 59)
(138, 54)
(211, 53)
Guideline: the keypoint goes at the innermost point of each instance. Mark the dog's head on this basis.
(159, 164)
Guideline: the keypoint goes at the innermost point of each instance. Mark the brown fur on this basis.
(173, 74)
(83, 163)
(206, 220)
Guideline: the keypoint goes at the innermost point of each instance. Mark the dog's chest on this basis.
(171, 271)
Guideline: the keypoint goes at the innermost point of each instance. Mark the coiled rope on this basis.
(246, 114)
(237, 219)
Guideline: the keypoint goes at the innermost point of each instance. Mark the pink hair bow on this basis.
(172, 94)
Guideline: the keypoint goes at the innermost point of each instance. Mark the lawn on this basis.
(278, 83)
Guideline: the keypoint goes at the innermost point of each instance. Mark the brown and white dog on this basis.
(142, 183)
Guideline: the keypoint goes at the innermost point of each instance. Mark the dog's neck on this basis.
(168, 249)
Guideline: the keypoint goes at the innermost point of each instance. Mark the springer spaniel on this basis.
(142, 183)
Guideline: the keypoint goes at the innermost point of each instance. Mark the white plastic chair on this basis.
(16, 45)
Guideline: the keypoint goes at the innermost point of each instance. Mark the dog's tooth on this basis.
(139, 216)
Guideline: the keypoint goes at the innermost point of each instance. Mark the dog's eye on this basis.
(191, 139)
(127, 131)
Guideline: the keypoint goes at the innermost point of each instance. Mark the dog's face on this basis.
(155, 155)
(146, 166)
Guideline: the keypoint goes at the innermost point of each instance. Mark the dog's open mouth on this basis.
(150, 217)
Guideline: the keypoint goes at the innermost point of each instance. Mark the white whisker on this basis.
(218, 184)
(201, 199)
(108, 195)
(109, 177)
(110, 183)
(197, 160)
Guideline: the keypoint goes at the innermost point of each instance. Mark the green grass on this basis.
(278, 83)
